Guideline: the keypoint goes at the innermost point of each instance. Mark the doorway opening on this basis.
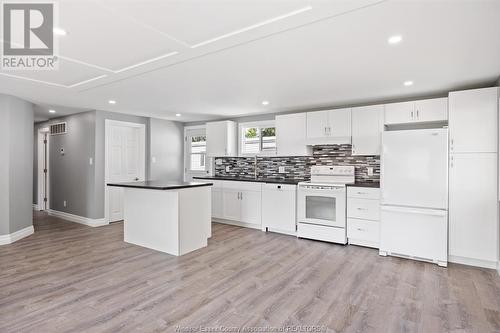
(43, 174)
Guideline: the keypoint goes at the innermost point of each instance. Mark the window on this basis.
(197, 153)
(257, 138)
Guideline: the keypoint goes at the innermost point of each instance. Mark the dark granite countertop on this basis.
(258, 180)
(365, 184)
(160, 184)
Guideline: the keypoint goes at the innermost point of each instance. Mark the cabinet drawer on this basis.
(363, 232)
(242, 186)
(363, 209)
(363, 192)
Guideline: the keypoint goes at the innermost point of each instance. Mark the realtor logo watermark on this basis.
(28, 38)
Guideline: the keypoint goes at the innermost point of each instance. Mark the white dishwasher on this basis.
(279, 208)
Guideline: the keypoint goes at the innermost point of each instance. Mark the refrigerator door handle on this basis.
(422, 211)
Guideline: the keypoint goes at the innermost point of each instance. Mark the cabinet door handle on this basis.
(361, 192)
(411, 115)
(451, 146)
(418, 117)
(359, 229)
(359, 208)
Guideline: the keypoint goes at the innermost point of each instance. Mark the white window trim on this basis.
(261, 124)
(208, 160)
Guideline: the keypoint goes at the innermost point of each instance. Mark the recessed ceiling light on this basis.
(177, 114)
(112, 101)
(395, 39)
(265, 102)
(52, 111)
(59, 32)
(408, 83)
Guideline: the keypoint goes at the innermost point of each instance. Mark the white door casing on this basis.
(125, 161)
(43, 188)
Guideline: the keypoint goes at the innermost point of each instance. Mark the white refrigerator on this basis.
(414, 185)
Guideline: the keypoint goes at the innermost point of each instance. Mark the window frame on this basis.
(260, 125)
(196, 130)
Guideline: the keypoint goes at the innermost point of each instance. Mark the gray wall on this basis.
(71, 175)
(167, 147)
(16, 144)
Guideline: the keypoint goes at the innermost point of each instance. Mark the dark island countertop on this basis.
(254, 180)
(160, 184)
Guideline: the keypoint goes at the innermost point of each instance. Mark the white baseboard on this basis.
(15, 236)
(238, 223)
(474, 262)
(35, 207)
(78, 219)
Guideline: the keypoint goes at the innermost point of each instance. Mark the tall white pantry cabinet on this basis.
(473, 177)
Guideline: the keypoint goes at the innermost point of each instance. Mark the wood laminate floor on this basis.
(72, 278)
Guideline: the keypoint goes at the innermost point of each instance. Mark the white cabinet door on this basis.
(367, 127)
(251, 207)
(473, 225)
(231, 204)
(429, 110)
(339, 124)
(399, 113)
(291, 135)
(217, 203)
(221, 138)
(317, 124)
(278, 208)
(473, 120)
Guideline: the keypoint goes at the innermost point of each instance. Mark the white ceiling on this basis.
(209, 59)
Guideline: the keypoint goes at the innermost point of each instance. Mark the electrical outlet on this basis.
(153, 159)
(64, 203)
(227, 168)
(281, 169)
(91, 161)
(218, 161)
(370, 171)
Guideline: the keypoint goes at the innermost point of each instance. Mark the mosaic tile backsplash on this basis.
(299, 167)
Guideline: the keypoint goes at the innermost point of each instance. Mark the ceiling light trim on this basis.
(254, 26)
(163, 56)
(86, 81)
(34, 80)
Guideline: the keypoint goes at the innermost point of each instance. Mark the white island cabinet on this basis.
(171, 217)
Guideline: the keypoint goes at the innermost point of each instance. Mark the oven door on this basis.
(322, 206)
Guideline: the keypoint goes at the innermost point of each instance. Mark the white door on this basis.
(473, 121)
(435, 109)
(473, 206)
(317, 124)
(414, 168)
(231, 204)
(217, 138)
(291, 135)
(399, 113)
(125, 163)
(367, 129)
(339, 124)
(251, 207)
(196, 162)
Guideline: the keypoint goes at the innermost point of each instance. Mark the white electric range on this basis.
(321, 204)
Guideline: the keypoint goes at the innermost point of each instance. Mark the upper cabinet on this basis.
(291, 135)
(473, 120)
(427, 110)
(221, 138)
(329, 127)
(367, 127)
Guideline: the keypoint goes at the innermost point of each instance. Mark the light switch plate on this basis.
(153, 159)
(370, 171)
(281, 169)
(227, 168)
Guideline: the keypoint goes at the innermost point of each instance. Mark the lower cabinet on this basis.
(279, 208)
(239, 202)
(363, 216)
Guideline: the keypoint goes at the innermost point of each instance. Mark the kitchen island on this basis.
(167, 216)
